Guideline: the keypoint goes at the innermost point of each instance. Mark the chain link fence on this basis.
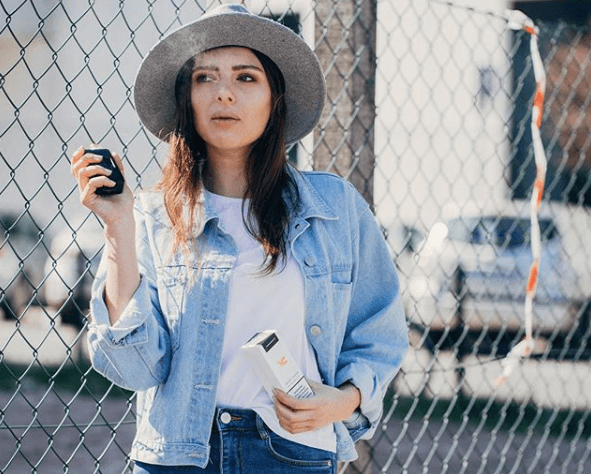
(428, 114)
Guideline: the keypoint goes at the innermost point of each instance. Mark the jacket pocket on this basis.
(341, 274)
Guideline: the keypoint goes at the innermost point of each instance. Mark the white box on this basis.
(272, 362)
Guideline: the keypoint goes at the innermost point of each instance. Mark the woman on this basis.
(232, 242)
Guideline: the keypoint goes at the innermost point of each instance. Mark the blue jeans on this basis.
(245, 445)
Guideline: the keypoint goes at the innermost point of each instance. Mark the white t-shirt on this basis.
(256, 303)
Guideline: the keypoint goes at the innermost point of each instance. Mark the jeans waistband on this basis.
(234, 419)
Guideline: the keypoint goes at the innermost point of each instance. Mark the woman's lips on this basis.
(224, 122)
(224, 118)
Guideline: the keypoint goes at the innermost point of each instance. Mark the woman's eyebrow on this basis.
(205, 67)
(240, 67)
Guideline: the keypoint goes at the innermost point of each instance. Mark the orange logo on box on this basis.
(282, 362)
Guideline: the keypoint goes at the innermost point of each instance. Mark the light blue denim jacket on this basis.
(167, 344)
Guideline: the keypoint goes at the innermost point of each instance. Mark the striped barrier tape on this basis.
(519, 21)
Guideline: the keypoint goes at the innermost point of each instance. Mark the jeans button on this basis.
(225, 418)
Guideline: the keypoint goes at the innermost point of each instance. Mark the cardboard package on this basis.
(274, 365)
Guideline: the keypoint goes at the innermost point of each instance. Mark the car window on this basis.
(511, 232)
(466, 230)
(503, 232)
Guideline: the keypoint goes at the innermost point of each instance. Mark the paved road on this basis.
(31, 442)
(436, 447)
(49, 431)
(55, 431)
(90, 432)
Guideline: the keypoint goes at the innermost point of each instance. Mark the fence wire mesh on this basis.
(428, 114)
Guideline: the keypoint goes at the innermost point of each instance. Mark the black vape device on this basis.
(109, 163)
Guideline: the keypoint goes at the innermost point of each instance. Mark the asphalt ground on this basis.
(46, 433)
(51, 423)
(51, 433)
(436, 446)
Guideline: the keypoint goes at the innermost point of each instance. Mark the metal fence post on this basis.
(346, 47)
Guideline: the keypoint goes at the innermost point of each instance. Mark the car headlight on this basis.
(418, 287)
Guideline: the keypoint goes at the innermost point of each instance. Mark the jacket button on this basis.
(225, 418)
(315, 330)
(309, 261)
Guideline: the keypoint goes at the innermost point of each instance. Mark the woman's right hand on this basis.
(91, 176)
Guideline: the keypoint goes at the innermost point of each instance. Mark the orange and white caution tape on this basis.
(519, 21)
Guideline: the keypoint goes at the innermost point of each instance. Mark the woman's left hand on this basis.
(327, 405)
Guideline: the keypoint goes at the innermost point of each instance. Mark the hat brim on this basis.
(304, 81)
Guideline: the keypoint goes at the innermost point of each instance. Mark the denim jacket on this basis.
(167, 344)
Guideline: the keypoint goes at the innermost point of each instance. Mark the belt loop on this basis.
(261, 428)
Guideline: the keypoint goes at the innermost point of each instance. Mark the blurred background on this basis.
(429, 115)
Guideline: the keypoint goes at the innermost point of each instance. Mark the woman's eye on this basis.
(245, 78)
(202, 78)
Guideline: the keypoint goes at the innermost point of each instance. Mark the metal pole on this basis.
(345, 37)
(346, 46)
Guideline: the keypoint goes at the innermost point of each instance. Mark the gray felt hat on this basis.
(231, 25)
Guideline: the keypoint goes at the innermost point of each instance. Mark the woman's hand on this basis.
(91, 176)
(329, 404)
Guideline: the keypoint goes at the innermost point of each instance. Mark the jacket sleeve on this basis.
(134, 353)
(376, 335)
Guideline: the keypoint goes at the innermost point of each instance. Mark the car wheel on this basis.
(6, 305)
(14, 299)
(459, 288)
(74, 311)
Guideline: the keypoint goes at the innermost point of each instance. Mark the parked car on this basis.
(402, 239)
(70, 269)
(467, 286)
(22, 254)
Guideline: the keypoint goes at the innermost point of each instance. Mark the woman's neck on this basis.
(226, 173)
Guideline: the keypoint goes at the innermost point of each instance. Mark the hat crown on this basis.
(227, 9)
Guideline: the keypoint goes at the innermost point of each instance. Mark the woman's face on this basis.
(231, 99)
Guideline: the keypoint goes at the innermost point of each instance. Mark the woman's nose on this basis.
(225, 94)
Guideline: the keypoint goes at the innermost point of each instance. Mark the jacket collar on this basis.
(312, 204)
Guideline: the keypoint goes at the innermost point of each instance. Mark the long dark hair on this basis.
(271, 189)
